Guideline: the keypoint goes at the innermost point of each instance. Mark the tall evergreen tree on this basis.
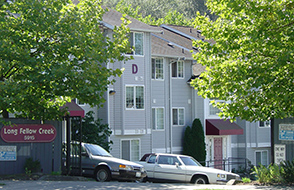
(194, 141)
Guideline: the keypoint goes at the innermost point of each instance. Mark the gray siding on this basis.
(49, 154)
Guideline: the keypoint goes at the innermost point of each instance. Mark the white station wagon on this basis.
(182, 168)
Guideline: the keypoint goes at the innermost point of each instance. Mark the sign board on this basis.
(280, 153)
(7, 153)
(286, 132)
(28, 133)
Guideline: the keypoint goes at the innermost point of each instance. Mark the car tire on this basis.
(102, 174)
(199, 180)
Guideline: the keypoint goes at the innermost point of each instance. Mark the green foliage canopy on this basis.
(52, 51)
(170, 17)
(250, 62)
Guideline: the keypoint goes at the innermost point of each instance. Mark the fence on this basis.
(229, 164)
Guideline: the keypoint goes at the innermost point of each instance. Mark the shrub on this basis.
(287, 171)
(246, 180)
(32, 166)
(194, 142)
(267, 175)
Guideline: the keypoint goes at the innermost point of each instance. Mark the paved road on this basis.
(91, 185)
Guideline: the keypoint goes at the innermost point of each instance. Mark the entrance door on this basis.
(218, 152)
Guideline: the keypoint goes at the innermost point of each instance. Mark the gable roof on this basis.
(171, 44)
(112, 18)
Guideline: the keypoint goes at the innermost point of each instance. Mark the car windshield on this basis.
(189, 161)
(97, 150)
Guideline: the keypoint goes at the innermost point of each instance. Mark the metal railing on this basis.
(229, 164)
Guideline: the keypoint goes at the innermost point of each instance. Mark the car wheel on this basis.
(200, 180)
(102, 174)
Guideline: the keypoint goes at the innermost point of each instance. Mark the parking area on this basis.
(114, 185)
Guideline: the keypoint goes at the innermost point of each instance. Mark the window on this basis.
(135, 97)
(157, 118)
(265, 123)
(178, 116)
(152, 159)
(130, 150)
(157, 68)
(261, 157)
(136, 41)
(214, 110)
(169, 160)
(178, 69)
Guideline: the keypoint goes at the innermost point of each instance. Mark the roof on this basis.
(170, 44)
(74, 109)
(112, 18)
(222, 127)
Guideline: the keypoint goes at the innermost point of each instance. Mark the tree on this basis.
(53, 51)
(171, 17)
(194, 141)
(93, 131)
(250, 62)
(158, 10)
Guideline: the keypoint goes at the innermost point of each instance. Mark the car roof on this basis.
(168, 154)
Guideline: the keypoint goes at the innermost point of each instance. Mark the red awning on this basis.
(74, 109)
(222, 127)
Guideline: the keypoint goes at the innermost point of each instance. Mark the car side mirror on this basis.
(177, 164)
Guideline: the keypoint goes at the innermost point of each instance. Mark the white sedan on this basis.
(182, 168)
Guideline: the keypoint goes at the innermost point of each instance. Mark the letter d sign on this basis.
(134, 68)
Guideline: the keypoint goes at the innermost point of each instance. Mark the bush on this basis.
(268, 175)
(32, 166)
(287, 171)
(194, 142)
(246, 180)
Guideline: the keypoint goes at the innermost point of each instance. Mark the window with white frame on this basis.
(130, 149)
(157, 118)
(157, 68)
(136, 42)
(178, 69)
(178, 116)
(261, 157)
(214, 110)
(135, 97)
(265, 123)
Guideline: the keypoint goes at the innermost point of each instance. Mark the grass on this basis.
(2, 184)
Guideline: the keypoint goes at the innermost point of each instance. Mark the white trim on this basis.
(163, 69)
(130, 139)
(149, 131)
(156, 120)
(134, 96)
(264, 144)
(135, 131)
(159, 150)
(177, 149)
(116, 131)
(238, 145)
(172, 124)
(134, 42)
(267, 157)
(177, 62)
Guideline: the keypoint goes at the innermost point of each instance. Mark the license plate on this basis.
(138, 174)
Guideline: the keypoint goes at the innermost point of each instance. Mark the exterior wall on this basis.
(254, 139)
(49, 154)
(127, 123)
